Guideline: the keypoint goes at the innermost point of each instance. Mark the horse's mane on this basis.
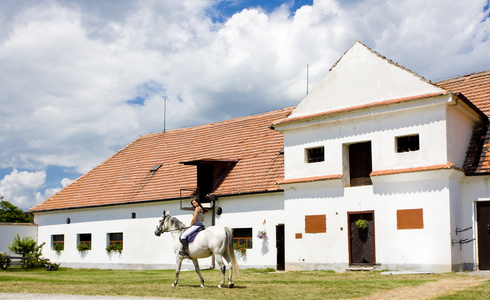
(176, 223)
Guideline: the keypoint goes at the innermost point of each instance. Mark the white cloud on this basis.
(69, 69)
(19, 188)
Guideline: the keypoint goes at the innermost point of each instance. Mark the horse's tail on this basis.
(231, 251)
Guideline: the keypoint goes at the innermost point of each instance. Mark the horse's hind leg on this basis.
(222, 267)
(230, 275)
(177, 270)
(198, 270)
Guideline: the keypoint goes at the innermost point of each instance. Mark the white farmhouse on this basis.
(377, 167)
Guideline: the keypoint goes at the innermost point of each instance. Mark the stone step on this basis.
(360, 269)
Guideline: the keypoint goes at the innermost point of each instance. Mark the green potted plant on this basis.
(114, 247)
(83, 247)
(242, 249)
(362, 224)
(58, 248)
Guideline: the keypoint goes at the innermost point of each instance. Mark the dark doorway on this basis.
(280, 247)
(361, 240)
(483, 219)
(360, 164)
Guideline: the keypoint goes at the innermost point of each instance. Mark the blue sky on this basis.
(82, 79)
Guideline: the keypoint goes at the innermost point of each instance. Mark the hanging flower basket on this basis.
(362, 224)
(262, 234)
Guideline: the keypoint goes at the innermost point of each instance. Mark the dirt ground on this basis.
(431, 289)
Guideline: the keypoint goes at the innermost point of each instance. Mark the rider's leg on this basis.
(185, 242)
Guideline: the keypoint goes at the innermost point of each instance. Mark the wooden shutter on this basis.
(316, 224)
(410, 218)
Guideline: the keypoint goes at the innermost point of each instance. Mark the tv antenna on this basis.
(164, 113)
(307, 75)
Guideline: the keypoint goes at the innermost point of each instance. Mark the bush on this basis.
(4, 260)
(28, 247)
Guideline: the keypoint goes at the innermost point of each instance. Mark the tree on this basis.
(28, 247)
(12, 214)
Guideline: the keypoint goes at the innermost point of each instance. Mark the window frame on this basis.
(80, 241)
(55, 242)
(111, 241)
(244, 238)
(315, 154)
(410, 143)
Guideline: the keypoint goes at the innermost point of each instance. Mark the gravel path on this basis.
(10, 296)
(430, 290)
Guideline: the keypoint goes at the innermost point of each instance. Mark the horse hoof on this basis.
(231, 285)
(202, 285)
(173, 285)
(219, 286)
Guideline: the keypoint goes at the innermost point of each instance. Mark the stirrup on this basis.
(184, 254)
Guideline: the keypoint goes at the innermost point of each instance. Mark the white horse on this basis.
(215, 240)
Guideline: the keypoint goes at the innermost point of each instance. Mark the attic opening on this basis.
(210, 175)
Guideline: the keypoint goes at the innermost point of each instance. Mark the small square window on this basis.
(84, 241)
(314, 155)
(58, 242)
(114, 241)
(243, 236)
(407, 143)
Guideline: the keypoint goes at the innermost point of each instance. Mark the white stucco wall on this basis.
(408, 249)
(362, 77)
(144, 250)
(428, 122)
(8, 231)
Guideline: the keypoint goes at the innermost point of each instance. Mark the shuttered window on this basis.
(316, 224)
(410, 219)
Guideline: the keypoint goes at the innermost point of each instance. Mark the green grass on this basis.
(251, 283)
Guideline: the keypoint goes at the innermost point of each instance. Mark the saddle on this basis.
(191, 237)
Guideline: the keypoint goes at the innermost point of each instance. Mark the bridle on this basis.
(160, 229)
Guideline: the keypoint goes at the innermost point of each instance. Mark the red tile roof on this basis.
(412, 170)
(126, 178)
(475, 87)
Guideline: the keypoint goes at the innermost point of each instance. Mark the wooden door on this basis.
(360, 164)
(483, 219)
(280, 247)
(361, 241)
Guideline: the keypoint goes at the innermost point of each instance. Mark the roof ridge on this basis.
(384, 58)
(460, 77)
(242, 118)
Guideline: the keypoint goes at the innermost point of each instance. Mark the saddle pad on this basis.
(193, 236)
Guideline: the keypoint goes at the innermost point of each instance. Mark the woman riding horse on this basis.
(196, 223)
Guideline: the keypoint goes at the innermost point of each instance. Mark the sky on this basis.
(80, 80)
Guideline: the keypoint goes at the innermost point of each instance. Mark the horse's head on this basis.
(163, 224)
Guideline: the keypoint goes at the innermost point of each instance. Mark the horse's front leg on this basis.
(198, 270)
(177, 269)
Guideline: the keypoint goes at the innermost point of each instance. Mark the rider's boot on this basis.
(185, 248)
